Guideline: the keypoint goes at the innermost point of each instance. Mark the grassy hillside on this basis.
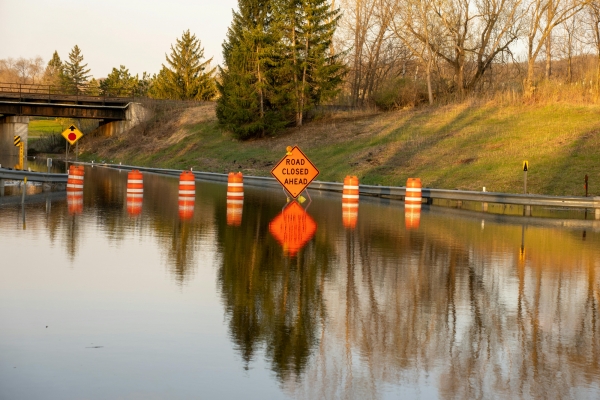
(464, 146)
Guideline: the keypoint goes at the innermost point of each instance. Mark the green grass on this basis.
(39, 127)
(464, 146)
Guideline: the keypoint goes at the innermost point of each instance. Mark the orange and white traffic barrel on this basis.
(412, 206)
(235, 198)
(350, 197)
(187, 195)
(75, 189)
(75, 179)
(135, 192)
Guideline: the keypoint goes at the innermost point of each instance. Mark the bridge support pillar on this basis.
(9, 128)
(135, 114)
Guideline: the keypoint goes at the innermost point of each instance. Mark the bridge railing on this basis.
(49, 92)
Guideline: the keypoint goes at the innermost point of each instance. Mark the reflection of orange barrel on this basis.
(235, 198)
(350, 198)
(75, 179)
(75, 202)
(135, 192)
(187, 194)
(75, 189)
(412, 210)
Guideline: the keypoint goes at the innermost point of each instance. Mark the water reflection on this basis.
(273, 301)
(467, 305)
(293, 228)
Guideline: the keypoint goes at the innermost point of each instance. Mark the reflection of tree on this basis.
(454, 308)
(272, 301)
(179, 239)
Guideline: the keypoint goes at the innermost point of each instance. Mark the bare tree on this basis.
(543, 17)
(593, 21)
(21, 70)
(416, 16)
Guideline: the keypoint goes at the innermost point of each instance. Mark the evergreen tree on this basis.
(144, 84)
(119, 83)
(54, 71)
(75, 75)
(247, 105)
(93, 88)
(309, 73)
(277, 64)
(186, 76)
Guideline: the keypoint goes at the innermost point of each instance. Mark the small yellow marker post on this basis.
(18, 143)
(525, 168)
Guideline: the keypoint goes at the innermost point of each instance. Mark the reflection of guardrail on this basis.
(400, 192)
(32, 176)
(34, 198)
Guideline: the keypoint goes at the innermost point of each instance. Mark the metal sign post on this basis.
(586, 185)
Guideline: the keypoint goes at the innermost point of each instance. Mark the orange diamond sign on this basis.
(293, 228)
(295, 171)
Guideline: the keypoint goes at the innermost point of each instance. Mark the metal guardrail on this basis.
(19, 175)
(400, 192)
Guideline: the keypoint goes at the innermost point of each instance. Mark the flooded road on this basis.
(105, 297)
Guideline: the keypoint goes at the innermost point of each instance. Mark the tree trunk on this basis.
(530, 76)
(549, 42)
(260, 89)
(549, 57)
(428, 77)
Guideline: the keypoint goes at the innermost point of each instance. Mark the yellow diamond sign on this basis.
(72, 134)
(295, 171)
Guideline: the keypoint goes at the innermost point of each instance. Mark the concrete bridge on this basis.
(117, 112)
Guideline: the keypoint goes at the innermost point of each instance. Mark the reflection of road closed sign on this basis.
(295, 171)
(293, 228)
(72, 134)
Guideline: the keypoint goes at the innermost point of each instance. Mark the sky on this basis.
(110, 33)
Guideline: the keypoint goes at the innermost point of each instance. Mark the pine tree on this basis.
(278, 64)
(74, 73)
(311, 74)
(119, 83)
(247, 105)
(93, 88)
(54, 71)
(186, 76)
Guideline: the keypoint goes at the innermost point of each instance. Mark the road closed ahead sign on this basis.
(295, 171)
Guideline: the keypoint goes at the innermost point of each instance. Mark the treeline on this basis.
(407, 51)
(282, 58)
(186, 75)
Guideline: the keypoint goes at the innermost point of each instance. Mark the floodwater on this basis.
(105, 298)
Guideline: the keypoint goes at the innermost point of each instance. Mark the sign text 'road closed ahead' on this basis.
(295, 171)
